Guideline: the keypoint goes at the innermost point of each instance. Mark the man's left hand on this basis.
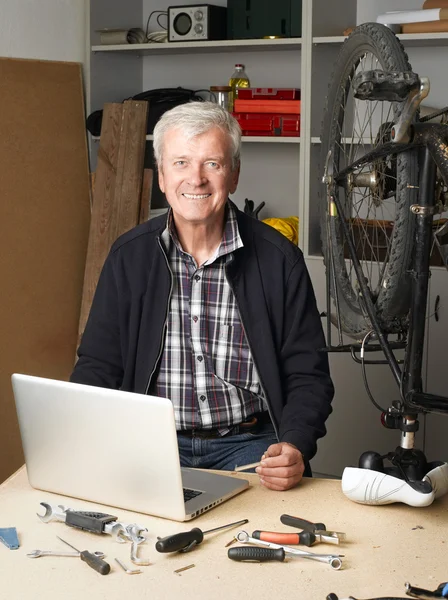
(281, 467)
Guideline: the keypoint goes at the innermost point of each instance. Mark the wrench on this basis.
(136, 539)
(333, 560)
(120, 531)
(39, 553)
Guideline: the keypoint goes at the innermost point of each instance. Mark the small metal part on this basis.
(423, 210)
(232, 541)
(184, 568)
(39, 553)
(125, 568)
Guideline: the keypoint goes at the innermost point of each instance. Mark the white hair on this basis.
(195, 118)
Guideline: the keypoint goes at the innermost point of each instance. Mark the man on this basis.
(214, 310)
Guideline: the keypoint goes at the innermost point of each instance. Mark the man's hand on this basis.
(281, 467)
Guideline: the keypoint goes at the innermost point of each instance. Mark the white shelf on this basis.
(260, 139)
(408, 39)
(198, 47)
(270, 140)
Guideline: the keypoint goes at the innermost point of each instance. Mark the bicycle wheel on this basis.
(376, 197)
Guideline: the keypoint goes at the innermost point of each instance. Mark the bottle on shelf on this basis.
(239, 79)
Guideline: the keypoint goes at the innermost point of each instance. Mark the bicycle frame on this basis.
(432, 141)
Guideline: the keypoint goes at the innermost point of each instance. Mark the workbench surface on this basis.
(386, 546)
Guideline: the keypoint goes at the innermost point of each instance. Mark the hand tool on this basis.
(245, 467)
(334, 560)
(256, 554)
(8, 535)
(316, 528)
(39, 553)
(187, 540)
(415, 592)
(126, 570)
(305, 538)
(94, 562)
(94, 522)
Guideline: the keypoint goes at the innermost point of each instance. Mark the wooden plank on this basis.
(131, 155)
(117, 188)
(145, 200)
(44, 227)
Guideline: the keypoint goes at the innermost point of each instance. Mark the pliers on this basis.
(312, 533)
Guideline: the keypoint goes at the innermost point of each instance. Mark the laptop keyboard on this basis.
(189, 494)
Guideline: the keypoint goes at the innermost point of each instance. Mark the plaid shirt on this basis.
(206, 367)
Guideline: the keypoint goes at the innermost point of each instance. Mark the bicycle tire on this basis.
(391, 298)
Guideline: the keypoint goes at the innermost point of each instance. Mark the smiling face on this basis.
(196, 175)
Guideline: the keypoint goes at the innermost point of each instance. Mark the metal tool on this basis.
(245, 467)
(94, 562)
(333, 560)
(187, 540)
(136, 540)
(305, 538)
(94, 522)
(126, 570)
(8, 535)
(39, 553)
(415, 592)
(316, 528)
(256, 554)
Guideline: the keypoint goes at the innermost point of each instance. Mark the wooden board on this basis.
(44, 224)
(425, 27)
(117, 191)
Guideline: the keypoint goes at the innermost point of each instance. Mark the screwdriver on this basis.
(95, 563)
(256, 554)
(187, 540)
(306, 538)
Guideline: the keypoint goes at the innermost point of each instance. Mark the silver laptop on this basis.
(112, 447)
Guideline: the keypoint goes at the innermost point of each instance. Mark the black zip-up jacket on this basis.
(123, 338)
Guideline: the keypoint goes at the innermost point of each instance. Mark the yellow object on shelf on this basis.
(289, 226)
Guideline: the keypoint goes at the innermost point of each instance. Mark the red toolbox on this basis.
(267, 106)
(286, 125)
(269, 94)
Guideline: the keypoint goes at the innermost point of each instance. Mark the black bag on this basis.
(160, 101)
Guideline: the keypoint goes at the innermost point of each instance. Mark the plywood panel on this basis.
(118, 187)
(44, 222)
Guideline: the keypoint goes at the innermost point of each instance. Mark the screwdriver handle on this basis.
(255, 554)
(179, 541)
(302, 523)
(94, 562)
(305, 538)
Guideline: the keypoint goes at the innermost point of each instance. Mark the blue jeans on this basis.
(227, 452)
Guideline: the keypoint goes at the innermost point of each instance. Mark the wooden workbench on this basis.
(386, 546)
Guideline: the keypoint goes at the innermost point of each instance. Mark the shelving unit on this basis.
(419, 40)
(283, 172)
(204, 47)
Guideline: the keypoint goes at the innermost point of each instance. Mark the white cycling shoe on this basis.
(366, 486)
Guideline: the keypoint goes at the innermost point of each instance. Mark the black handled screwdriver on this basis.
(254, 554)
(187, 540)
(94, 562)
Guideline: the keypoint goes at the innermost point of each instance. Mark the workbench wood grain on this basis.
(386, 546)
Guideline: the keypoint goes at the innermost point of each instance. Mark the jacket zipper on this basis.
(166, 319)
(266, 397)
